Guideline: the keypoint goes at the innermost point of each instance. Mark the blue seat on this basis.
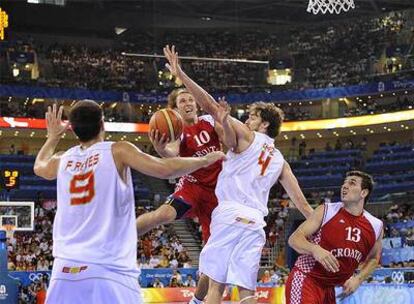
(392, 156)
(16, 158)
(320, 181)
(334, 154)
(390, 166)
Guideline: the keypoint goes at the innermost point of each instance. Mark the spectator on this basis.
(177, 277)
(157, 283)
(274, 277)
(265, 277)
(12, 149)
(338, 145)
(190, 282)
(154, 262)
(174, 283)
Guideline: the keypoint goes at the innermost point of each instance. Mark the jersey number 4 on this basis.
(264, 158)
(82, 188)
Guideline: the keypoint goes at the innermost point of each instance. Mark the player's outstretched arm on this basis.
(291, 185)
(244, 135)
(225, 129)
(202, 97)
(163, 146)
(129, 155)
(369, 266)
(47, 163)
(299, 241)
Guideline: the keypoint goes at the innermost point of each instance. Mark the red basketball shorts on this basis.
(202, 200)
(302, 289)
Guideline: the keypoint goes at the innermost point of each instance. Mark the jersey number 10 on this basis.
(202, 138)
(84, 186)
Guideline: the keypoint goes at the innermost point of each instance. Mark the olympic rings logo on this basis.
(38, 276)
(397, 277)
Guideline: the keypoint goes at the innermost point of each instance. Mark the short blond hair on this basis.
(270, 113)
(172, 97)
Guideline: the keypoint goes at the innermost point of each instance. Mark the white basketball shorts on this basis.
(93, 284)
(232, 255)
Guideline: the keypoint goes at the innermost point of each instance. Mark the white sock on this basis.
(194, 300)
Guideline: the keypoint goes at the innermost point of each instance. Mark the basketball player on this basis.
(94, 233)
(334, 241)
(253, 165)
(194, 193)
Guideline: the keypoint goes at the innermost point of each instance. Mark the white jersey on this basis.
(244, 183)
(95, 218)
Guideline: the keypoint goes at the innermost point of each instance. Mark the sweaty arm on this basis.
(236, 135)
(291, 185)
(226, 133)
(47, 162)
(298, 241)
(370, 264)
(244, 136)
(128, 155)
(372, 260)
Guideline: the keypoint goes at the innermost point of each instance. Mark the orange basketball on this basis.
(167, 122)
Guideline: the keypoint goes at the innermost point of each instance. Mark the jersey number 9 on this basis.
(83, 185)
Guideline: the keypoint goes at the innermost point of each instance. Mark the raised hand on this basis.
(55, 127)
(159, 142)
(172, 56)
(223, 111)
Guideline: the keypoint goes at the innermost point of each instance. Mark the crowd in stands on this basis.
(399, 237)
(343, 53)
(82, 67)
(161, 248)
(396, 214)
(30, 251)
(347, 53)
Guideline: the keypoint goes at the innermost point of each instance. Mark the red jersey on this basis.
(348, 237)
(199, 140)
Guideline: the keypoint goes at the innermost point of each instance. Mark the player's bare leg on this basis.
(201, 291)
(215, 292)
(246, 296)
(163, 215)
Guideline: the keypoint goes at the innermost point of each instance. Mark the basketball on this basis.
(167, 122)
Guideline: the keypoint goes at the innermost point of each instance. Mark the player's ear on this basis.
(265, 124)
(364, 193)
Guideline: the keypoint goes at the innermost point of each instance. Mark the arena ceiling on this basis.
(102, 15)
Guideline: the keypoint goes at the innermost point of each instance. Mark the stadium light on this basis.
(119, 30)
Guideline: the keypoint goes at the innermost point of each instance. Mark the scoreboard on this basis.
(10, 178)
